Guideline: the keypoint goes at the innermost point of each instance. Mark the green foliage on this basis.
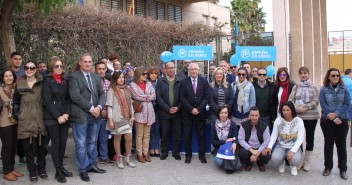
(43, 6)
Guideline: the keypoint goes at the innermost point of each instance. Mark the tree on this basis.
(9, 7)
(214, 1)
(250, 18)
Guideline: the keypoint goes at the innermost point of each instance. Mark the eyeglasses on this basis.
(259, 74)
(32, 68)
(254, 71)
(282, 75)
(241, 74)
(58, 66)
(232, 67)
(145, 74)
(335, 76)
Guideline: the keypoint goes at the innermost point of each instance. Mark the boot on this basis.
(307, 159)
(119, 162)
(129, 162)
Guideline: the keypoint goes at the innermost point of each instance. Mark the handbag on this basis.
(137, 106)
(123, 128)
(231, 165)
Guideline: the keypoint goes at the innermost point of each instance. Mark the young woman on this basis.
(288, 133)
(283, 88)
(334, 100)
(56, 103)
(305, 97)
(155, 129)
(8, 125)
(120, 115)
(244, 94)
(28, 109)
(223, 130)
(220, 93)
(143, 91)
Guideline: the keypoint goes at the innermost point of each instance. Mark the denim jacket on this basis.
(248, 95)
(334, 100)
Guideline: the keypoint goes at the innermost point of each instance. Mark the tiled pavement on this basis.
(177, 172)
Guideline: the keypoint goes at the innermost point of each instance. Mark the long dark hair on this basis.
(327, 80)
(291, 106)
(114, 78)
(245, 70)
(280, 71)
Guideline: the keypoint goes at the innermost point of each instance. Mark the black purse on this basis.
(231, 166)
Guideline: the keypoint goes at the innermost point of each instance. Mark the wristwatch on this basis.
(233, 139)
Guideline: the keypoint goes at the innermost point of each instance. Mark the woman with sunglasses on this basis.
(335, 101)
(220, 93)
(56, 103)
(283, 89)
(244, 97)
(305, 97)
(143, 91)
(8, 125)
(28, 110)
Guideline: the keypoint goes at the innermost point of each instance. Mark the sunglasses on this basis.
(145, 74)
(259, 74)
(29, 68)
(282, 75)
(241, 74)
(58, 66)
(335, 76)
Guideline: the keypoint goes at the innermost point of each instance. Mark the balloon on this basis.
(270, 71)
(234, 61)
(166, 56)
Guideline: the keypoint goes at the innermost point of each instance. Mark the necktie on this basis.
(194, 86)
(90, 83)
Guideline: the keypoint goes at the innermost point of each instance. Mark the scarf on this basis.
(222, 129)
(9, 91)
(303, 91)
(284, 96)
(143, 85)
(240, 87)
(122, 100)
(57, 78)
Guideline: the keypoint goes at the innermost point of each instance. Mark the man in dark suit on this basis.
(184, 73)
(88, 99)
(194, 95)
(229, 77)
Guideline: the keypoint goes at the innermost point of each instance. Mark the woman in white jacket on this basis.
(289, 133)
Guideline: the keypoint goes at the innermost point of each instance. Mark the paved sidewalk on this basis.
(175, 172)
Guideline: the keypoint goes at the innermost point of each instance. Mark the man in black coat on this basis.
(169, 106)
(194, 97)
(229, 77)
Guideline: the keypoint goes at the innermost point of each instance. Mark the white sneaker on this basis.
(293, 170)
(282, 167)
(119, 162)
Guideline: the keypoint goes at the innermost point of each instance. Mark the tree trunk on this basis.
(7, 36)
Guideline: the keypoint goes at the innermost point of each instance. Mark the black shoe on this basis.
(60, 177)
(151, 155)
(343, 175)
(188, 160)
(84, 176)
(66, 173)
(156, 155)
(95, 169)
(177, 157)
(43, 176)
(202, 159)
(163, 157)
(326, 172)
(33, 179)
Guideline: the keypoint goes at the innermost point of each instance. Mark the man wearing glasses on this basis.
(264, 93)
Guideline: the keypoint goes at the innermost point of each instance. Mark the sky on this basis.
(337, 14)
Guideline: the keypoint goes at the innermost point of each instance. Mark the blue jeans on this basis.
(218, 162)
(85, 137)
(102, 134)
(155, 135)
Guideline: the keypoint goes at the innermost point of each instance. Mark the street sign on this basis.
(256, 53)
(193, 53)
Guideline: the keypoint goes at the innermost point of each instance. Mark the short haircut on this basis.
(85, 55)
(137, 73)
(221, 108)
(348, 71)
(98, 63)
(2, 74)
(113, 56)
(291, 106)
(154, 70)
(254, 109)
(15, 53)
(126, 63)
(52, 63)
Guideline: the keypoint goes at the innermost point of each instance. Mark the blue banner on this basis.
(255, 53)
(192, 52)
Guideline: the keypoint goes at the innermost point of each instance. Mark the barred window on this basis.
(157, 10)
(111, 4)
(139, 7)
(174, 13)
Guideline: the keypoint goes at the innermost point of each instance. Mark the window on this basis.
(111, 4)
(174, 13)
(139, 7)
(157, 10)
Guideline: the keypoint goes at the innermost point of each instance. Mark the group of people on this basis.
(263, 120)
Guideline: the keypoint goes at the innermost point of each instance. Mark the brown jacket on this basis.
(28, 108)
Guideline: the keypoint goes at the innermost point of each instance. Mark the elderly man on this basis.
(229, 77)
(254, 137)
(194, 96)
(88, 99)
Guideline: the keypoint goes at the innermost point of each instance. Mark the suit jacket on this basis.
(230, 78)
(80, 95)
(190, 100)
(162, 92)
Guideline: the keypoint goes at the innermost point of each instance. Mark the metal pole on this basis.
(208, 72)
